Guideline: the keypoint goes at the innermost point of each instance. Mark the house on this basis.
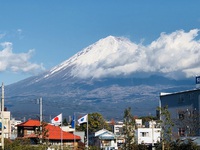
(72, 130)
(117, 129)
(104, 139)
(54, 135)
(148, 135)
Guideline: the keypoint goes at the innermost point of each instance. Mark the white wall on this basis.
(148, 135)
(7, 130)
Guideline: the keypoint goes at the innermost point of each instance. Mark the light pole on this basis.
(2, 117)
(41, 120)
(40, 102)
(152, 125)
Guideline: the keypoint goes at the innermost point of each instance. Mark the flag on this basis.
(83, 119)
(73, 122)
(57, 120)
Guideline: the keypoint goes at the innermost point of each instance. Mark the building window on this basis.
(181, 115)
(181, 132)
(181, 99)
(144, 134)
(29, 132)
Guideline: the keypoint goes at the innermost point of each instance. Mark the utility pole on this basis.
(2, 117)
(152, 134)
(40, 120)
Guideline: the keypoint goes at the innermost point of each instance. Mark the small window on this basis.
(181, 116)
(181, 99)
(181, 132)
(144, 134)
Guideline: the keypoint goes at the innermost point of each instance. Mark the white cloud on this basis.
(177, 52)
(17, 62)
(175, 55)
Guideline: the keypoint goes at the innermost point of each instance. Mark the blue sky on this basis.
(38, 35)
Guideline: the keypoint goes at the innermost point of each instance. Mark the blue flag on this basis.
(73, 122)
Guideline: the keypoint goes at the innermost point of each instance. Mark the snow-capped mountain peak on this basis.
(118, 56)
(105, 53)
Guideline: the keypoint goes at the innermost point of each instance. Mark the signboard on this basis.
(198, 82)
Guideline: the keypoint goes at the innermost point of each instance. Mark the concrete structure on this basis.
(138, 123)
(118, 128)
(184, 107)
(148, 134)
(7, 124)
(14, 124)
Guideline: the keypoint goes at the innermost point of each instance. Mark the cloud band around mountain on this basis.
(175, 55)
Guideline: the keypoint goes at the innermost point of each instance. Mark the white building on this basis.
(118, 128)
(14, 124)
(7, 125)
(148, 135)
(138, 123)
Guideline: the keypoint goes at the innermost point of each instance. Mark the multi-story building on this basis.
(184, 107)
(149, 134)
(14, 123)
(7, 125)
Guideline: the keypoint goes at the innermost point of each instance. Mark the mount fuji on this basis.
(106, 77)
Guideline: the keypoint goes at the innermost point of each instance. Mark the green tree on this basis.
(166, 125)
(187, 144)
(96, 122)
(129, 123)
(22, 144)
(147, 118)
(43, 134)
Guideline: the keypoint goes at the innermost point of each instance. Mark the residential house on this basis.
(117, 129)
(104, 139)
(148, 135)
(55, 135)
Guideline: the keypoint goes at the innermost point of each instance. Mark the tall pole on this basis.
(74, 122)
(40, 120)
(61, 134)
(152, 135)
(87, 132)
(2, 118)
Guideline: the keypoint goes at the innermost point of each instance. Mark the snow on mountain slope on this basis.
(118, 56)
(104, 54)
